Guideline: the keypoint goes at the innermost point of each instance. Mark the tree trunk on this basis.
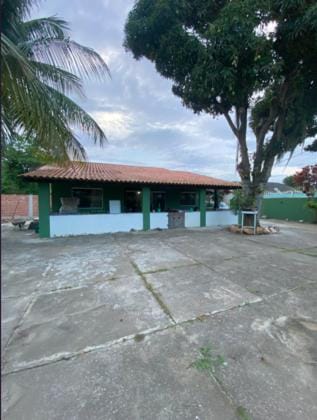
(253, 195)
(254, 170)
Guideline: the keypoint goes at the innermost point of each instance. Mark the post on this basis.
(146, 194)
(202, 207)
(30, 206)
(44, 210)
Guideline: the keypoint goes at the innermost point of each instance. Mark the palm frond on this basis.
(10, 53)
(40, 66)
(57, 78)
(75, 116)
(71, 56)
(50, 27)
(16, 9)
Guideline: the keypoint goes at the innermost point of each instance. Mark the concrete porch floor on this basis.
(108, 327)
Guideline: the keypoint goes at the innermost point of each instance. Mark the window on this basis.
(132, 202)
(88, 197)
(188, 198)
(158, 201)
(210, 199)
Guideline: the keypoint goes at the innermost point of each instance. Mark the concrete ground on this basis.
(111, 327)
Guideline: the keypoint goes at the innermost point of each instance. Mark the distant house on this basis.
(277, 187)
(90, 198)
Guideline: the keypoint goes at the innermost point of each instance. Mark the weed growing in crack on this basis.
(139, 337)
(207, 361)
(242, 413)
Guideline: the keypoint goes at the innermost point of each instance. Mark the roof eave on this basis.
(30, 178)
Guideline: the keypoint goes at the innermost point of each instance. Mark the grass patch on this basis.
(208, 361)
(201, 318)
(139, 337)
(242, 413)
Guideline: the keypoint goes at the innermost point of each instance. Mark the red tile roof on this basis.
(106, 172)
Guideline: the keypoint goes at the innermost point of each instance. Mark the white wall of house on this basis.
(85, 224)
(192, 219)
(222, 217)
(159, 220)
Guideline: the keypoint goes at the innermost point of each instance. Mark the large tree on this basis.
(251, 61)
(41, 66)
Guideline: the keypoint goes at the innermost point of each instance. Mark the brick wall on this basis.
(17, 205)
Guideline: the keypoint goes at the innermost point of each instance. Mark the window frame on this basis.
(90, 188)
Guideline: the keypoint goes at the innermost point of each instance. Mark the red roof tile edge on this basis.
(115, 173)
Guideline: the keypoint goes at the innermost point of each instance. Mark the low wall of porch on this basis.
(86, 224)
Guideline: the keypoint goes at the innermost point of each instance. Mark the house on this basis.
(277, 187)
(91, 198)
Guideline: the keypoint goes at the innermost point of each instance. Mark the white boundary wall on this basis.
(221, 218)
(85, 224)
(192, 218)
(159, 220)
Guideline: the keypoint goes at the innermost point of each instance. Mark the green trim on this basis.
(202, 207)
(146, 201)
(44, 210)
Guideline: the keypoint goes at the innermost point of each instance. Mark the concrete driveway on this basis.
(111, 327)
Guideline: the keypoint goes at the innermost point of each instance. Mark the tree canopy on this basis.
(308, 176)
(289, 181)
(252, 61)
(41, 66)
(22, 155)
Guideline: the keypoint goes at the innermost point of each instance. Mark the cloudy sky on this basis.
(144, 122)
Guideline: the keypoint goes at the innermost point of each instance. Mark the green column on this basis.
(202, 207)
(146, 193)
(44, 210)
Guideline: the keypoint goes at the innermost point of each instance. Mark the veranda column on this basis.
(44, 209)
(146, 193)
(202, 207)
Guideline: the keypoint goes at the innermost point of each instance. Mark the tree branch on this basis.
(231, 124)
(239, 131)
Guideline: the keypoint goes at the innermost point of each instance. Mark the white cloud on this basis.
(283, 171)
(116, 124)
(110, 55)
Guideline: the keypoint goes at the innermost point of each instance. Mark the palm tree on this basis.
(41, 66)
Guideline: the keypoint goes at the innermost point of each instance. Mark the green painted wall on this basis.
(44, 210)
(110, 192)
(288, 208)
(173, 197)
(116, 192)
